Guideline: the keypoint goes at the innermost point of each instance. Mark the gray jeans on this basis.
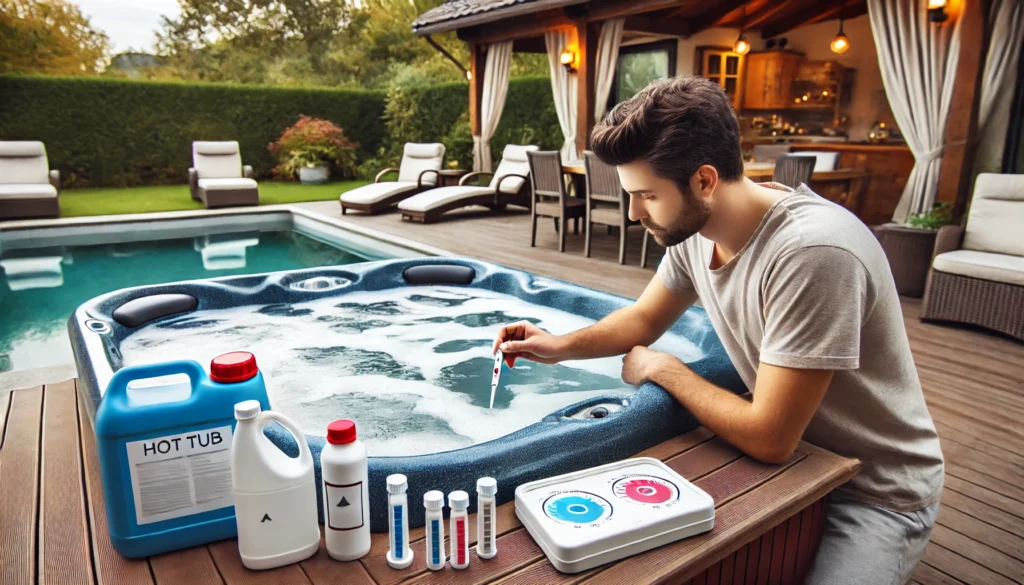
(867, 544)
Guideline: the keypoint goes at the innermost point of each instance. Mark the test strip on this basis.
(398, 546)
(488, 529)
(498, 357)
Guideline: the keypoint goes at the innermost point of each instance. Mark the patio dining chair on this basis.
(550, 197)
(793, 169)
(607, 203)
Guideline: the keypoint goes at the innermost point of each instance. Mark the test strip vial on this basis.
(400, 555)
(459, 538)
(486, 518)
(433, 501)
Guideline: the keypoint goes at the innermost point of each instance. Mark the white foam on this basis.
(304, 367)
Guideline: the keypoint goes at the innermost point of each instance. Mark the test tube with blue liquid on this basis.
(433, 501)
(400, 555)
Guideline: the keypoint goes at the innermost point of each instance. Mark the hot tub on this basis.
(403, 348)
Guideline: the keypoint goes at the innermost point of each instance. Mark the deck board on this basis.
(19, 488)
(111, 568)
(64, 553)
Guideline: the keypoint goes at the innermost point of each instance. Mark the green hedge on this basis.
(102, 132)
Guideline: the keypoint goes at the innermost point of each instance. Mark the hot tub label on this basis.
(181, 475)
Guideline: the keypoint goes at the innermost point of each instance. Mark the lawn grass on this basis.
(116, 201)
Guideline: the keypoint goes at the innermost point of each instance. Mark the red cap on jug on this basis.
(237, 366)
(341, 432)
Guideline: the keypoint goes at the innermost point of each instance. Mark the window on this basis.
(639, 65)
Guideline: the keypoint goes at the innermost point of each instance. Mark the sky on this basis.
(130, 24)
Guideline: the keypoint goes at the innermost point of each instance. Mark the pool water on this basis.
(41, 287)
(412, 365)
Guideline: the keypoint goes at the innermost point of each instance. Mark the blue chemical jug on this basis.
(165, 451)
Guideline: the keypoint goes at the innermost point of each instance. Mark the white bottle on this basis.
(400, 554)
(275, 495)
(346, 494)
(486, 518)
(459, 537)
(433, 501)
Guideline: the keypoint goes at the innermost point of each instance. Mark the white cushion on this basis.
(417, 158)
(513, 162)
(826, 161)
(226, 184)
(996, 219)
(217, 160)
(375, 192)
(23, 162)
(226, 254)
(34, 191)
(437, 197)
(984, 265)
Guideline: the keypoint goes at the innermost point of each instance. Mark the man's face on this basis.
(657, 203)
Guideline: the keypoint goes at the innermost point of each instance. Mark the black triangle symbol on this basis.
(343, 502)
(265, 518)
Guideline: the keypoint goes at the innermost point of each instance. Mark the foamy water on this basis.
(412, 366)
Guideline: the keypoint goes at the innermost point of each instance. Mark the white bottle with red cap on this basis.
(346, 494)
(275, 495)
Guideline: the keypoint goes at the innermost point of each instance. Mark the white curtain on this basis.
(918, 62)
(604, 67)
(564, 88)
(496, 73)
(1006, 21)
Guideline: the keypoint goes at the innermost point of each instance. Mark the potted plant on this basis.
(311, 149)
(909, 246)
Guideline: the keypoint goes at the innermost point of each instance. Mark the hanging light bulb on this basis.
(937, 11)
(742, 45)
(840, 44)
(469, 75)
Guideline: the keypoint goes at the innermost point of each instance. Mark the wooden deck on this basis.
(53, 528)
(973, 384)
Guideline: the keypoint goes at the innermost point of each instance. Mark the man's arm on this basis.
(641, 323)
(767, 428)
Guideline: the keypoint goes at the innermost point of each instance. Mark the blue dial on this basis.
(577, 507)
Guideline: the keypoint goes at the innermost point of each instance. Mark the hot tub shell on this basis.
(560, 442)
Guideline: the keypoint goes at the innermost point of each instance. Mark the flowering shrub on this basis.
(312, 142)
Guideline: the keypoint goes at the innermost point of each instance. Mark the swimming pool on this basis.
(403, 348)
(46, 273)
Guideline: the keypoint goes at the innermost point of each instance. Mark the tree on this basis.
(49, 37)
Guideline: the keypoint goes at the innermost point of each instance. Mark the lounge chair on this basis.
(28, 188)
(218, 178)
(509, 186)
(419, 170)
(977, 274)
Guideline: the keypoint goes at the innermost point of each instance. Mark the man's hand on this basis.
(640, 364)
(526, 340)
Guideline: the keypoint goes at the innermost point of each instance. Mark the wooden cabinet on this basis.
(724, 67)
(770, 77)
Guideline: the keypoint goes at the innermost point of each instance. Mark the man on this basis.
(801, 295)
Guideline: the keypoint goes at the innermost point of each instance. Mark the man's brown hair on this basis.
(676, 125)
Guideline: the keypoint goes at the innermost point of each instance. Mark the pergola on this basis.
(524, 23)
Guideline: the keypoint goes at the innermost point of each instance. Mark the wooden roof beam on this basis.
(765, 13)
(714, 14)
(810, 15)
(658, 26)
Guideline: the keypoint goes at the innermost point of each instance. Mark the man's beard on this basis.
(691, 221)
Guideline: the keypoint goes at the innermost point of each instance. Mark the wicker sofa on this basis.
(977, 273)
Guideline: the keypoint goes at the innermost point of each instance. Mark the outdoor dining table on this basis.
(844, 186)
(53, 524)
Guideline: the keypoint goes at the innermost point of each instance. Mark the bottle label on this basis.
(344, 506)
(180, 475)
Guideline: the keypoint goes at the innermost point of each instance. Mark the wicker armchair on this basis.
(977, 274)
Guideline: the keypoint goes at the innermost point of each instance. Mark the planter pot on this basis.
(909, 251)
(315, 175)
